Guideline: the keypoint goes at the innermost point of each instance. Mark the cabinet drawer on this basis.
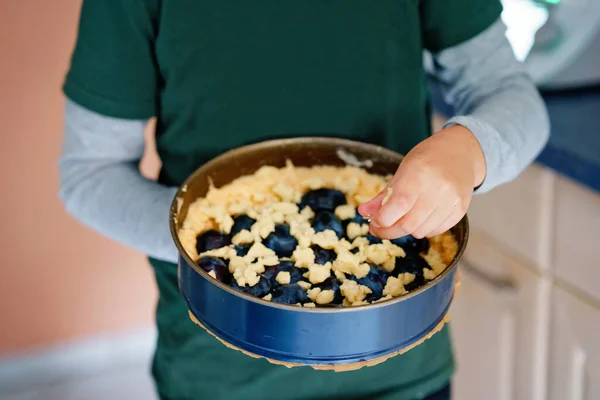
(517, 215)
(575, 356)
(502, 312)
(577, 234)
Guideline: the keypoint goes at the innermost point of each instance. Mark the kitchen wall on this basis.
(58, 280)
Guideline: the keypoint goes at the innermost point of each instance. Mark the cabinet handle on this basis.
(497, 283)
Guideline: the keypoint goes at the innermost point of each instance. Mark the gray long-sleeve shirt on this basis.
(101, 184)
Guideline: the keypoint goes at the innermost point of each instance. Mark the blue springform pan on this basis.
(288, 334)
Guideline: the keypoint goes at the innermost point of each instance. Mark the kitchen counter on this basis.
(574, 146)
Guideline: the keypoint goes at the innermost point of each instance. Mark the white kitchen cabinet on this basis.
(575, 348)
(518, 215)
(499, 326)
(577, 228)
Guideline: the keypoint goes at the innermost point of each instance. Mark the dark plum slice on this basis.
(411, 244)
(373, 239)
(283, 266)
(280, 241)
(242, 249)
(289, 294)
(323, 200)
(240, 223)
(261, 289)
(322, 256)
(332, 283)
(324, 220)
(417, 283)
(414, 264)
(217, 265)
(358, 219)
(380, 272)
(375, 280)
(211, 240)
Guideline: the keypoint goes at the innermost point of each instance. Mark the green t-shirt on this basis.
(221, 74)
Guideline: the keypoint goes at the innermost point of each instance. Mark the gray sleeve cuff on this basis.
(499, 166)
(496, 101)
(102, 187)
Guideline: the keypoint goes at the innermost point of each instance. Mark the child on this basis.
(221, 74)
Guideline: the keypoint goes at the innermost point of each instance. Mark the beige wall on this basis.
(53, 287)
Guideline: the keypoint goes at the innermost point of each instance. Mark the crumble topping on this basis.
(326, 239)
(243, 237)
(394, 287)
(304, 257)
(313, 293)
(286, 192)
(305, 285)
(407, 278)
(361, 198)
(318, 273)
(259, 250)
(313, 183)
(353, 292)
(223, 252)
(354, 230)
(345, 211)
(263, 227)
(340, 275)
(283, 278)
(351, 264)
(325, 297)
(434, 259)
(382, 252)
(316, 295)
(429, 274)
(273, 196)
(348, 185)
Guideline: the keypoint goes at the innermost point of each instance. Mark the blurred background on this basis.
(525, 324)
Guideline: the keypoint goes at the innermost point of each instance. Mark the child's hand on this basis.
(431, 189)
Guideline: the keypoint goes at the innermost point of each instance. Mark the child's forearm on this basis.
(103, 188)
(495, 99)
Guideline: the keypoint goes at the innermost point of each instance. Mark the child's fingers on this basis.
(434, 221)
(395, 208)
(407, 224)
(400, 196)
(448, 223)
(393, 232)
(401, 190)
(372, 206)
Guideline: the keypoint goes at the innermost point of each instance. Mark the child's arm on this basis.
(101, 185)
(501, 127)
(496, 100)
(112, 91)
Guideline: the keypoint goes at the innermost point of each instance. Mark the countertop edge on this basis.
(567, 135)
(571, 166)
